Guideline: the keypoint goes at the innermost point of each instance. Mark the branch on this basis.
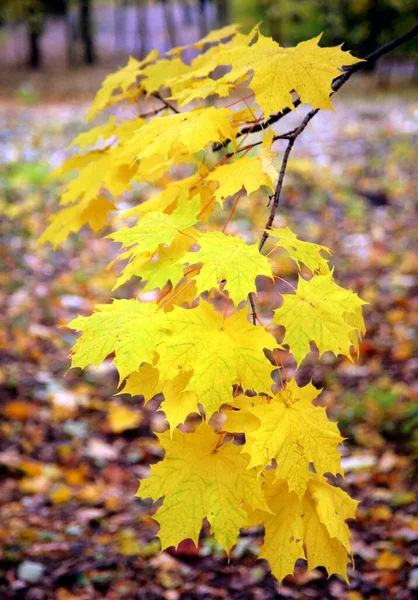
(276, 198)
(337, 83)
(293, 135)
(282, 136)
(165, 102)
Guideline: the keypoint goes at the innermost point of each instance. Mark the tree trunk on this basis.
(203, 25)
(120, 10)
(142, 12)
(222, 12)
(35, 22)
(169, 22)
(86, 31)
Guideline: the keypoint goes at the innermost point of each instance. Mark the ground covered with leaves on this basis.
(71, 451)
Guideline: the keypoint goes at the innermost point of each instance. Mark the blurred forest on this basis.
(71, 451)
(89, 30)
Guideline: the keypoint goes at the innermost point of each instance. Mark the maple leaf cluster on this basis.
(180, 347)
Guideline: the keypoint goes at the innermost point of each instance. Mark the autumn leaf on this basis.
(283, 538)
(296, 526)
(248, 172)
(333, 507)
(122, 79)
(159, 73)
(143, 382)
(95, 134)
(228, 258)
(157, 228)
(129, 328)
(301, 252)
(320, 312)
(220, 352)
(295, 433)
(308, 69)
(212, 482)
(121, 418)
(165, 267)
(178, 402)
(327, 536)
(187, 132)
(93, 213)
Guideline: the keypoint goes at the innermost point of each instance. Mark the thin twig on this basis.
(252, 303)
(276, 198)
(282, 136)
(165, 102)
(151, 113)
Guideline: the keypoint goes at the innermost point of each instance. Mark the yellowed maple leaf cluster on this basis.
(187, 347)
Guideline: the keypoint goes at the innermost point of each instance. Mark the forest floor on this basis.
(70, 526)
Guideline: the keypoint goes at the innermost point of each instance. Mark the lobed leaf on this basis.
(320, 311)
(294, 433)
(211, 482)
(227, 258)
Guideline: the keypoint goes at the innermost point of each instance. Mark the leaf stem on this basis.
(177, 294)
(285, 281)
(231, 214)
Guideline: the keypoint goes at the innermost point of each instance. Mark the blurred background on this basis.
(70, 451)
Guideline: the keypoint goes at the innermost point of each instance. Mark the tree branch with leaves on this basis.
(195, 346)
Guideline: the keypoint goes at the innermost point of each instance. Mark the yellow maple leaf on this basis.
(178, 402)
(161, 72)
(294, 433)
(333, 507)
(213, 37)
(326, 535)
(240, 421)
(247, 172)
(301, 252)
(89, 181)
(143, 382)
(157, 228)
(162, 201)
(321, 549)
(122, 79)
(167, 199)
(129, 328)
(196, 79)
(295, 526)
(353, 315)
(191, 131)
(230, 258)
(78, 161)
(220, 352)
(165, 268)
(94, 135)
(92, 212)
(197, 89)
(121, 418)
(308, 69)
(317, 312)
(180, 295)
(283, 538)
(212, 482)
